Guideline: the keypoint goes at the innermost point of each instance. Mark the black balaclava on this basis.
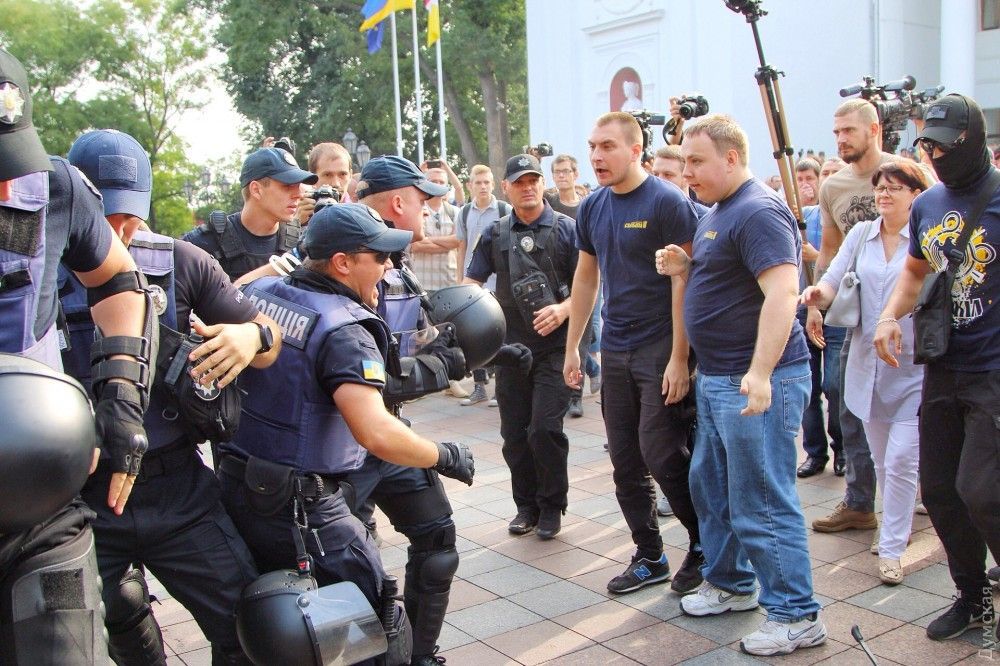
(970, 161)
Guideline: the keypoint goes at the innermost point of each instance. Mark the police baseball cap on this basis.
(21, 151)
(390, 172)
(945, 119)
(118, 167)
(274, 163)
(520, 165)
(351, 228)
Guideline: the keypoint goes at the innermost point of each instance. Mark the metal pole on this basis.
(419, 96)
(440, 82)
(395, 87)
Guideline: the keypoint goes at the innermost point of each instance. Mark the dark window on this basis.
(990, 14)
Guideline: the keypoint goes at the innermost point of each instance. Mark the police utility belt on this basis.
(269, 486)
(531, 287)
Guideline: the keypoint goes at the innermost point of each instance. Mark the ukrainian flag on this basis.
(376, 11)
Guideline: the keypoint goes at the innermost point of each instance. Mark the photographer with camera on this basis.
(683, 108)
(332, 165)
(532, 252)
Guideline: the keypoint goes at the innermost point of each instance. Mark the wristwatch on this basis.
(266, 337)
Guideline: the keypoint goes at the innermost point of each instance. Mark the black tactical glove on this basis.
(119, 426)
(445, 348)
(455, 461)
(514, 355)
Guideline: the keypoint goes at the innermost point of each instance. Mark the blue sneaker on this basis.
(640, 573)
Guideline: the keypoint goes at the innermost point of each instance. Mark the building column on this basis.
(959, 27)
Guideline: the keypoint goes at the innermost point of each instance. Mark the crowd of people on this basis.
(676, 289)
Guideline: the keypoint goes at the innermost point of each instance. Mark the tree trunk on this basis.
(491, 106)
(468, 145)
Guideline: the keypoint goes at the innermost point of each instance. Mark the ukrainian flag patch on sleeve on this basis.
(373, 370)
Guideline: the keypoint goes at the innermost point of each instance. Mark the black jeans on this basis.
(647, 438)
(960, 468)
(535, 447)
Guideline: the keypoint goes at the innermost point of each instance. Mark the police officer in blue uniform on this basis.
(175, 524)
(416, 504)
(243, 241)
(50, 610)
(315, 416)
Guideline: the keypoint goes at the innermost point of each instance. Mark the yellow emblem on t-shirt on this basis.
(374, 370)
(710, 235)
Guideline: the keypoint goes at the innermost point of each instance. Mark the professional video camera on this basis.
(895, 104)
(540, 150)
(645, 119)
(691, 106)
(325, 195)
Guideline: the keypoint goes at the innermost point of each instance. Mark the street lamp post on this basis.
(363, 154)
(358, 149)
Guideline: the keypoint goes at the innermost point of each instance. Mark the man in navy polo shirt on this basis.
(753, 384)
(644, 351)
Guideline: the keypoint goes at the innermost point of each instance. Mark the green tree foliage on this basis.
(301, 69)
(132, 65)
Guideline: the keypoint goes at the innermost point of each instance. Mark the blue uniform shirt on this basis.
(738, 239)
(624, 231)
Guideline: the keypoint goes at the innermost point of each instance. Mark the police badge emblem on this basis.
(207, 393)
(11, 103)
(159, 298)
(524, 162)
(527, 243)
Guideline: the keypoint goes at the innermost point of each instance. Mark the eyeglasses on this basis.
(562, 172)
(380, 257)
(928, 145)
(891, 189)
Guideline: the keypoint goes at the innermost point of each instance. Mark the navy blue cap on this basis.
(390, 172)
(350, 228)
(118, 166)
(274, 163)
(21, 150)
(945, 119)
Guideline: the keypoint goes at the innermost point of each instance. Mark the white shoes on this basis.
(783, 638)
(711, 600)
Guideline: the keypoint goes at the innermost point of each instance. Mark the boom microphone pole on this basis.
(774, 112)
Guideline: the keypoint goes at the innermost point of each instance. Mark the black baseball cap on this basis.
(21, 151)
(945, 119)
(274, 163)
(350, 228)
(390, 172)
(520, 165)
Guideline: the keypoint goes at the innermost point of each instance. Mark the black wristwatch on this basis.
(266, 337)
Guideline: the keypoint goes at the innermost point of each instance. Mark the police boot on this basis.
(427, 620)
(133, 635)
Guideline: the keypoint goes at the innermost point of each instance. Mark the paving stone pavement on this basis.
(520, 600)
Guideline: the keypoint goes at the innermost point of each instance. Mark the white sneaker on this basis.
(456, 390)
(784, 638)
(711, 600)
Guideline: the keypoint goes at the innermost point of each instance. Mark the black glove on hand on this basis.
(455, 461)
(119, 427)
(514, 355)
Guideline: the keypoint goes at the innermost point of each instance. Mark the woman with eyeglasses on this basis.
(884, 398)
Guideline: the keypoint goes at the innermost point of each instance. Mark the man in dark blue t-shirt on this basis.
(739, 309)
(645, 357)
(959, 465)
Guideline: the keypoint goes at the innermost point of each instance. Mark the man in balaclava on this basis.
(960, 408)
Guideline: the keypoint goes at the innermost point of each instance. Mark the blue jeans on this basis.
(825, 367)
(751, 459)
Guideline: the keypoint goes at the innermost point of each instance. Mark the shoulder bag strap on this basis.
(957, 253)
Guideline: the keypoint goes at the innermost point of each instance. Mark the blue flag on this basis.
(375, 37)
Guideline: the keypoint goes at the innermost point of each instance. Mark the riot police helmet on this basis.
(478, 319)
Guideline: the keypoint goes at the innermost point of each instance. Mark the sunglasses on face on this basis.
(380, 257)
(928, 145)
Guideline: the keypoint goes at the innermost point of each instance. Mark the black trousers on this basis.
(175, 525)
(535, 447)
(647, 438)
(960, 469)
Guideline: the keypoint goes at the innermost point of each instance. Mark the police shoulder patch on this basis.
(296, 321)
(373, 370)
